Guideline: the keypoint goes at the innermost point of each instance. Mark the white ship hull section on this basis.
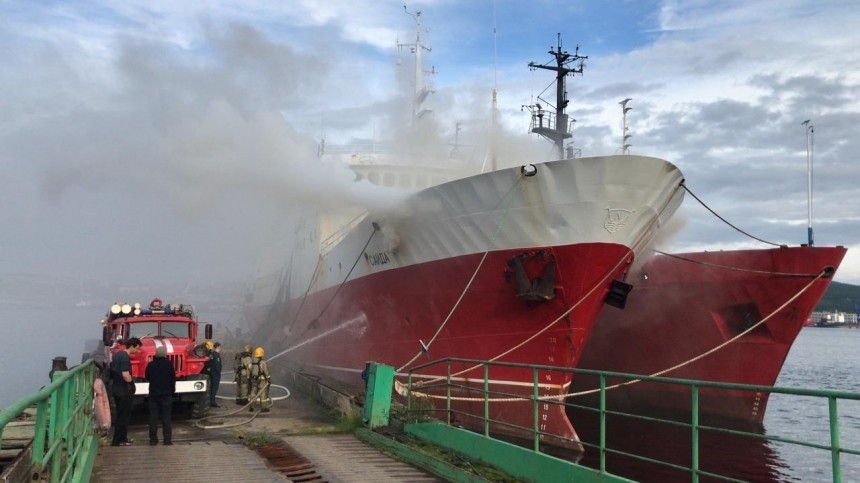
(609, 199)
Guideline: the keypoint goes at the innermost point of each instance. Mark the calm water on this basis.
(820, 358)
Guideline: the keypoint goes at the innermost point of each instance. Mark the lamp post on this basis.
(625, 147)
(810, 134)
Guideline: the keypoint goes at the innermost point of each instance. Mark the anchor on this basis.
(541, 288)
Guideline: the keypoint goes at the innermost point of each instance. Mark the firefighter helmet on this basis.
(247, 348)
(209, 345)
(258, 352)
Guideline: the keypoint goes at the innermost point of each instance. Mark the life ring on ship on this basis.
(101, 404)
(156, 304)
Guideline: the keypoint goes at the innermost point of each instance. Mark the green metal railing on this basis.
(64, 439)
(473, 377)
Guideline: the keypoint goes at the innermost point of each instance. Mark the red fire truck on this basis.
(173, 326)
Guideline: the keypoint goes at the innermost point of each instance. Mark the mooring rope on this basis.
(493, 238)
(533, 336)
(598, 284)
(724, 344)
(724, 220)
(375, 229)
(326, 243)
(627, 383)
(341, 326)
(307, 291)
(735, 269)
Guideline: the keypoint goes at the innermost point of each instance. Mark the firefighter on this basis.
(260, 380)
(203, 350)
(214, 374)
(242, 375)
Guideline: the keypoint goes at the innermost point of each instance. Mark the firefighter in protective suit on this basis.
(242, 375)
(259, 381)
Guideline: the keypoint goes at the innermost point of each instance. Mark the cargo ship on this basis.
(512, 264)
(722, 316)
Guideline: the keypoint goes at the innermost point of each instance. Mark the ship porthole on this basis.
(528, 170)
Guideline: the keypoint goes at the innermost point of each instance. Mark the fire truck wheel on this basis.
(200, 407)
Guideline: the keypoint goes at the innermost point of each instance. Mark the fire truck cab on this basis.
(173, 326)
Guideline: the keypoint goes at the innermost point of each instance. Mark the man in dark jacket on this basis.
(214, 373)
(162, 385)
(122, 389)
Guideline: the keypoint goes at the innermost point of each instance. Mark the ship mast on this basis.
(421, 92)
(556, 127)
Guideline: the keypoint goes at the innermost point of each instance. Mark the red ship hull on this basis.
(387, 317)
(687, 305)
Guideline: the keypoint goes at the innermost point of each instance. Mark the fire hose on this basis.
(252, 400)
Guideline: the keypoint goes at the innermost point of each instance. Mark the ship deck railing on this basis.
(64, 440)
(455, 377)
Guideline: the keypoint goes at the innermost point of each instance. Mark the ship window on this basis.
(388, 179)
(420, 181)
(405, 181)
(373, 178)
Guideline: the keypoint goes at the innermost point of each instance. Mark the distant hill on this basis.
(840, 297)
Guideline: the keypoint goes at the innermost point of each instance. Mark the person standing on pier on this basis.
(122, 389)
(214, 373)
(242, 375)
(260, 380)
(162, 384)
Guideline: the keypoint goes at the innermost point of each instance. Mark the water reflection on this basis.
(725, 455)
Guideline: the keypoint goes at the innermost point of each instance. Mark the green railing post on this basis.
(40, 435)
(694, 466)
(694, 424)
(486, 399)
(834, 440)
(448, 392)
(64, 443)
(602, 423)
(377, 404)
(409, 392)
(60, 431)
(54, 431)
(536, 398)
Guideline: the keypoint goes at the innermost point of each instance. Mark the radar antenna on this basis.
(556, 126)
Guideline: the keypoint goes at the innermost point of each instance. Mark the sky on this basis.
(146, 140)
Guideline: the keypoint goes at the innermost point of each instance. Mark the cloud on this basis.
(190, 115)
(174, 138)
